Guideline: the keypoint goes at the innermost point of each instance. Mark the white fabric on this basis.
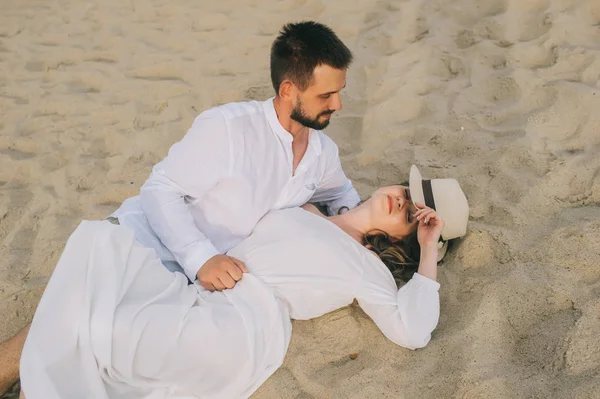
(114, 323)
(318, 268)
(232, 167)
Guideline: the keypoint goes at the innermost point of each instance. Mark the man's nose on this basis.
(335, 103)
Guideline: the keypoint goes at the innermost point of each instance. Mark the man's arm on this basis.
(335, 190)
(193, 166)
(163, 203)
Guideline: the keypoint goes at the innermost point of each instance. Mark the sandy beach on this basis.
(502, 95)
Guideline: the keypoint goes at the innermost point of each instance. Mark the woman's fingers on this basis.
(425, 215)
(422, 208)
(424, 211)
(433, 218)
(419, 214)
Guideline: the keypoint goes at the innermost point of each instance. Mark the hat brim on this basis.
(442, 250)
(415, 186)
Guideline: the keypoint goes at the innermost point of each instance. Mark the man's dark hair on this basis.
(300, 48)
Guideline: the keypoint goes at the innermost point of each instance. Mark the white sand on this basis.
(500, 94)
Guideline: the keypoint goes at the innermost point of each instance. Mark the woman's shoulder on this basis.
(309, 223)
(306, 211)
(313, 209)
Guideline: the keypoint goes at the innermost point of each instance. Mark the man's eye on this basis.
(325, 95)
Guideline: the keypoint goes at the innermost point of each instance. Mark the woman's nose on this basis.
(401, 202)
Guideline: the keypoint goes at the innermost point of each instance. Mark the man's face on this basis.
(315, 105)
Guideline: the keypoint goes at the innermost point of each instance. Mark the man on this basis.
(241, 160)
(236, 163)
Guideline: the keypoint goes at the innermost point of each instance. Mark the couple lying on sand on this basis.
(115, 323)
(187, 291)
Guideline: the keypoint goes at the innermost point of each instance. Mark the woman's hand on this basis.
(430, 226)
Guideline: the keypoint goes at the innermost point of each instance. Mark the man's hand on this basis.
(221, 272)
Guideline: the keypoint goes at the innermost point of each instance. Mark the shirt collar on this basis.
(315, 141)
(285, 136)
(276, 127)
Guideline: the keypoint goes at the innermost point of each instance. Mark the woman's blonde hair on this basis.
(401, 257)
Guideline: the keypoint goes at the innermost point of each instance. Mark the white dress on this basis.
(114, 323)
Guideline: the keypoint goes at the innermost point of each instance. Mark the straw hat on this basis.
(448, 200)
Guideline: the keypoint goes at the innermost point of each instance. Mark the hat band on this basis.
(428, 197)
(428, 194)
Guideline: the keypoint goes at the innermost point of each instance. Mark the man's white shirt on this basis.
(232, 167)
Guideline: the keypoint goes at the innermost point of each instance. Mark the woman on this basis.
(114, 323)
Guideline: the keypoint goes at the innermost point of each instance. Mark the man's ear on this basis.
(394, 239)
(287, 90)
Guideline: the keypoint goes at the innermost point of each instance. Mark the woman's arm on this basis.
(428, 233)
(406, 316)
(428, 263)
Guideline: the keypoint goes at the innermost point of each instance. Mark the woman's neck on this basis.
(354, 222)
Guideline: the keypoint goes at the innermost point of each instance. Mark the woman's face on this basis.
(392, 211)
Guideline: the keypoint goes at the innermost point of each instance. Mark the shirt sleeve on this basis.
(192, 167)
(406, 316)
(335, 190)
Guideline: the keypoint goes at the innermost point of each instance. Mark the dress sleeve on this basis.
(406, 316)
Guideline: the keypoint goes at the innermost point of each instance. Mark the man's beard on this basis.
(300, 116)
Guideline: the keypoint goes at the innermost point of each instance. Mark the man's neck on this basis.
(283, 111)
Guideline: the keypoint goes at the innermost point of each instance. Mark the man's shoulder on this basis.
(235, 109)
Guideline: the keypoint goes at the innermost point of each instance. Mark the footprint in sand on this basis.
(583, 352)
(589, 12)
(571, 122)
(19, 228)
(575, 249)
(544, 344)
(481, 248)
(465, 39)
(533, 56)
(19, 197)
(526, 20)
(501, 90)
(539, 317)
